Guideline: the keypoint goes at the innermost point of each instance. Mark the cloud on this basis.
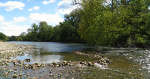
(16, 26)
(34, 8)
(19, 19)
(45, 2)
(1, 18)
(66, 6)
(67, 10)
(11, 5)
(52, 19)
(10, 28)
(64, 3)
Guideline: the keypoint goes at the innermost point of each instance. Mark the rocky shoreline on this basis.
(8, 50)
(12, 68)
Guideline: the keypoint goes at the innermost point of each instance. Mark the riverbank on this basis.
(39, 62)
(13, 68)
(8, 51)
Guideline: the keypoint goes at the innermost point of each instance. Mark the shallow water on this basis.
(131, 63)
(54, 46)
(49, 52)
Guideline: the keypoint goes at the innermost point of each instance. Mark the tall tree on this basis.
(43, 31)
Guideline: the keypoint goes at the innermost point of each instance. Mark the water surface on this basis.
(49, 52)
(55, 46)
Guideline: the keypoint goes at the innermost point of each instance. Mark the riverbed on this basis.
(125, 63)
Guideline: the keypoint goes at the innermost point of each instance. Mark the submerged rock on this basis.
(27, 60)
(14, 76)
(100, 66)
(90, 64)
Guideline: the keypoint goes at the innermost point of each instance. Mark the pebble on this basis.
(14, 76)
(27, 60)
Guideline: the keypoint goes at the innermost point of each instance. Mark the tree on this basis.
(32, 34)
(45, 31)
(122, 23)
(73, 20)
(99, 22)
(91, 25)
(3, 37)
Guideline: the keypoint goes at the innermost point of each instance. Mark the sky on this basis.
(16, 16)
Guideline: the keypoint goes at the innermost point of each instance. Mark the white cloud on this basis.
(11, 5)
(19, 19)
(67, 10)
(15, 30)
(1, 18)
(64, 3)
(66, 6)
(34, 8)
(10, 28)
(52, 19)
(45, 2)
(14, 27)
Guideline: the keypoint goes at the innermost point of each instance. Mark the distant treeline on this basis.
(99, 22)
(66, 31)
(43, 32)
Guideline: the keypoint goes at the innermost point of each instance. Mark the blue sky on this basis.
(16, 16)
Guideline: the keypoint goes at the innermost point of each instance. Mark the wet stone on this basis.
(14, 76)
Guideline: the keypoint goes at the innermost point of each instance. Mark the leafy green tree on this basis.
(12, 38)
(68, 32)
(118, 23)
(73, 18)
(32, 33)
(56, 33)
(3, 37)
(45, 31)
(91, 25)
(122, 23)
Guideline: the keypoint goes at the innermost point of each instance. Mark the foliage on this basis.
(3, 37)
(66, 31)
(99, 22)
(124, 23)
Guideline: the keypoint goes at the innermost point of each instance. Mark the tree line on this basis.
(64, 32)
(99, 22)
